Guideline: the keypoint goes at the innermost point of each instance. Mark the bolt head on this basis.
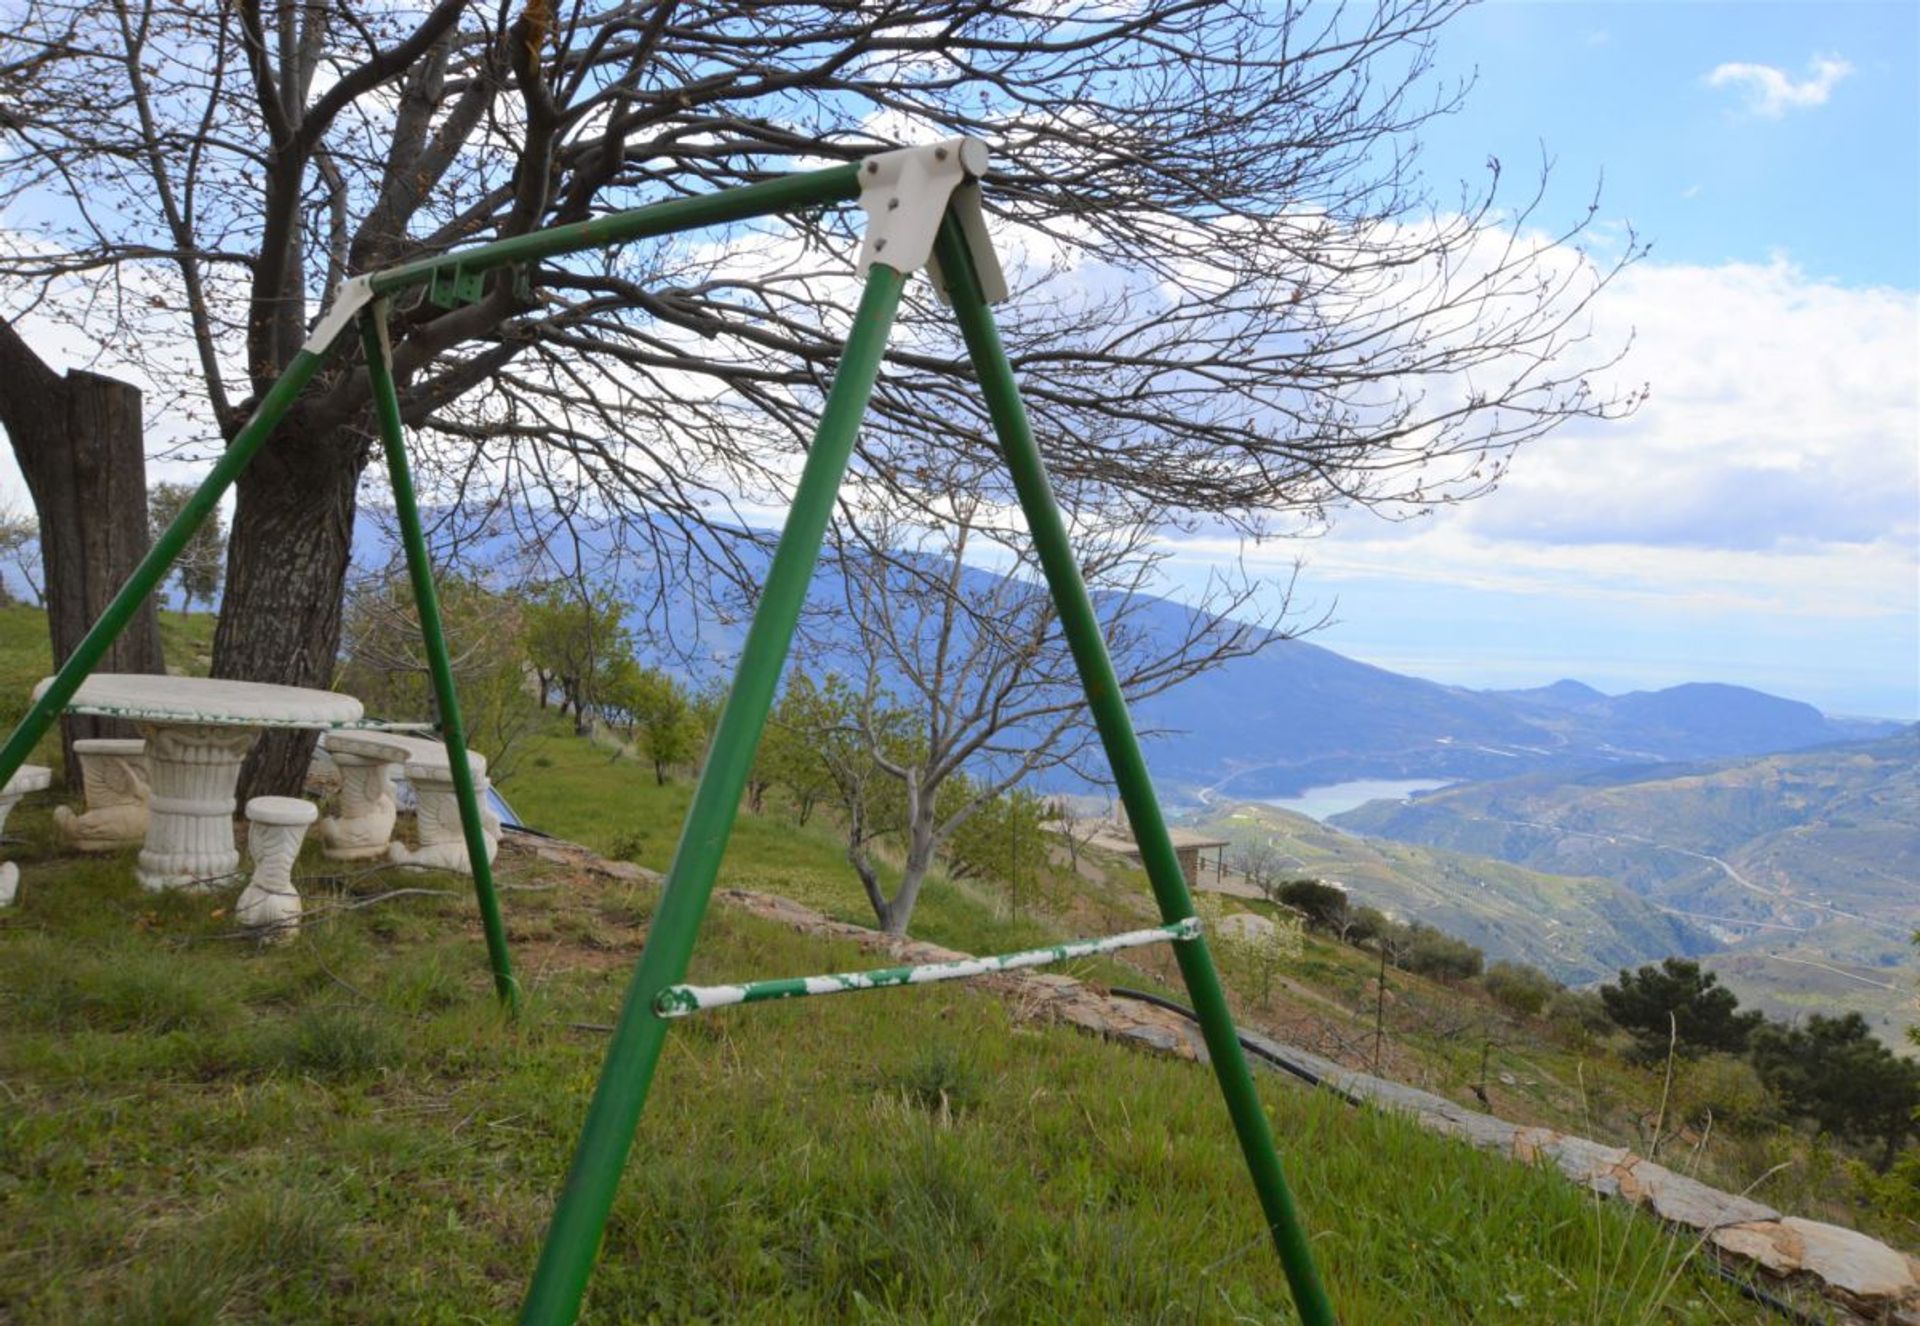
(939, 154)
(873, 168)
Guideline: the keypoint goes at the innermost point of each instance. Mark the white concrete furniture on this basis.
(198, 731)
(270, 903)
(443, 843)
(362, 826)
(28, 778)
(113, 773)
(367, 762)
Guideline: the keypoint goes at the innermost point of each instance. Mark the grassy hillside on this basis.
(1579, 929)
(344, 1130)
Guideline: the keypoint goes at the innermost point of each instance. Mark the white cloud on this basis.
(1770, 93)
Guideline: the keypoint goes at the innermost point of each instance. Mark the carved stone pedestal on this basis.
(363, 824)
(270, 903)
(443, 844)
(114, 775)
(28, 778)
(194, 770)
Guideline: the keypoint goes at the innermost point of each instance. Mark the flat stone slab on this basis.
(207, 700)
(429, 753)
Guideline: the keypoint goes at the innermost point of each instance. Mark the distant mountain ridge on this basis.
(1297, 715)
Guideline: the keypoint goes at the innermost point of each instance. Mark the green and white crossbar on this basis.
(677, 1001)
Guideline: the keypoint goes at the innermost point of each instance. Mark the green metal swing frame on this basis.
(654, 994)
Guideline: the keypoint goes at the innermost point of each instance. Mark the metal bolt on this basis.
(893, 204)
(879, 244)
(939, 154)
(873, 168)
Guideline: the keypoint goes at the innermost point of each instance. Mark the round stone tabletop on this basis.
(158, 699)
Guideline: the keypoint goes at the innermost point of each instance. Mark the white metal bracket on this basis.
(905, 193)
(352, 295)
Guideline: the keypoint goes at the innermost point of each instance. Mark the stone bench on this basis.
(113, 775)
(363, 828)
(27, 778)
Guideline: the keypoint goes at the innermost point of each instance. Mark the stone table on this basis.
(198, 732)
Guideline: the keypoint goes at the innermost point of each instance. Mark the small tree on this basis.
(788, 758)
(384, 661)
(574, 640)
(1836, 1074)
(1003, 839)
(202, 563)
(1258, 863)
(1677, 1001)
(1324, 905)
(654, 711)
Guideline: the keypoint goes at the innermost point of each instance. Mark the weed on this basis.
(331, 1041)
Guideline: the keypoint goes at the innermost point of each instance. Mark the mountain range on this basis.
(1800, 865)
(1295, 716)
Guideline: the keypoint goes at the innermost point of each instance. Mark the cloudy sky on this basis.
(1757, 521)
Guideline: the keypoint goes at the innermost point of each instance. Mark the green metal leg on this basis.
(579, 1221)
(1082, 629)
(154, 566)
(386, 411)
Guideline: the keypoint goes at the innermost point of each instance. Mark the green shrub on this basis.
(1577, 1017)
(1729, 1091)
(1430, 952)
(1519, 988)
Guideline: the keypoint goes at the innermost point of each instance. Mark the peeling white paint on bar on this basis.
(679, 1000)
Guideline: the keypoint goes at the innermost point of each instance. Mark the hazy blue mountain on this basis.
(1296, 715)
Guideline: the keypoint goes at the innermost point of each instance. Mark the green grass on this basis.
(193, 1129)
(196, 1130)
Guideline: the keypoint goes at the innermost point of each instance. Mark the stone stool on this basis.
(363, 825)
(114, 775)
(270, 903)
(443, 843)
(28, 778)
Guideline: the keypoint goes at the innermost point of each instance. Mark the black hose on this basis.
(1252, 1047)
(1749, 1290)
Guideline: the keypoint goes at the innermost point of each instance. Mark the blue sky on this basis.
(1756, 522)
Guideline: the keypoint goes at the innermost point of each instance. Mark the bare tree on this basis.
(1235, 296)
(961, 669)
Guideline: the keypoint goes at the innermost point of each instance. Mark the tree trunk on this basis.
(920, 848)
(287, 563)
(78, 442)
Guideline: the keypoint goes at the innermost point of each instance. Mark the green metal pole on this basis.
(1082, 628)
(784, 193)
(159, 560)
(386, 413)
(580, 1219)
